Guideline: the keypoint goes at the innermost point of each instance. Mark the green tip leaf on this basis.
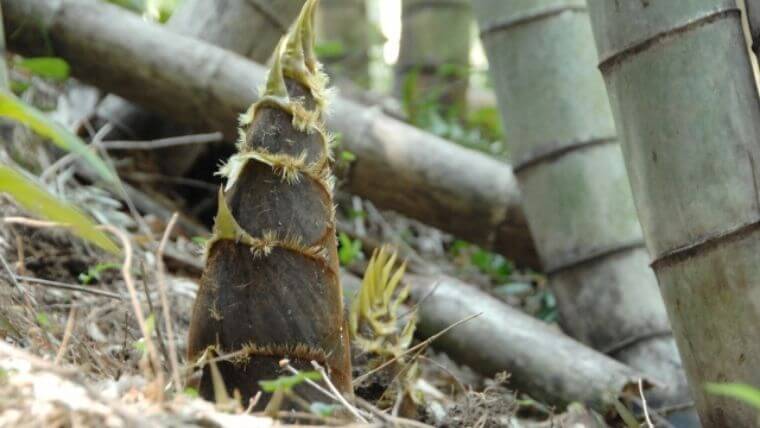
(294, 58)
(37, 200)
(308, 35)
(13, 108)
(275, 86)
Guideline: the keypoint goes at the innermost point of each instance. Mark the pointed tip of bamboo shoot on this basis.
(308, 36)
(275, 85)
(294, 59)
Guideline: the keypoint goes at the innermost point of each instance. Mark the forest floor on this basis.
(73, 353)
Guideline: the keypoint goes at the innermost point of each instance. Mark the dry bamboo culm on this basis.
(271, 289)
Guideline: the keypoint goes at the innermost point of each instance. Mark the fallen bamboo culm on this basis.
(542, 361)
(398, 166)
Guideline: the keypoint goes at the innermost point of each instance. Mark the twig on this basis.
(12, 275)
(66, 335)
(66, 286)
(182, 140)
(392, 420)
(174, 361)
(318, 387)
(310, 382)
(414, 348)
(40, 224)
(156, 326)
(657, 419)
(120, 187)
(55, 166)
(644, 405)
(20, 266)
(129, 281)
(182, 181)
(337, 393)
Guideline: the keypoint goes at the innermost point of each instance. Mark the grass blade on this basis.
(738, 391)
(13, 108)
(36, 199)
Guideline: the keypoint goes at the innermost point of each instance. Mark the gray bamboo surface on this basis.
(576, 193)
(683, 95)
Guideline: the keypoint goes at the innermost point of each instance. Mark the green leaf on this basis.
(46, 67)
(140, 346)
(331, 49)
(200, 240)
(286, 383)
(150, 324)
(349, 250)
(625, 414)
(354, 214)
(19, 87)
(93, 273)
(13, 108)
(191, 392)
(43, 320)
(347, 156)
(739, 391)
(34, 198)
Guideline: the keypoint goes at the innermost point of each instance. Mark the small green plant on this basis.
(376, 325)
(347, 156)
(150, 325)
(200, 240)
(480, 129)
(492, 264)
(547, 306)
(43, 320)
(349, 250)
(287, 383)
(739, 391)
(93, 273)
(191, 392)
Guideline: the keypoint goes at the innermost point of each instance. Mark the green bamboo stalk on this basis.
(576, 193)
(683, 95)
(270, 289)
(434, 54)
